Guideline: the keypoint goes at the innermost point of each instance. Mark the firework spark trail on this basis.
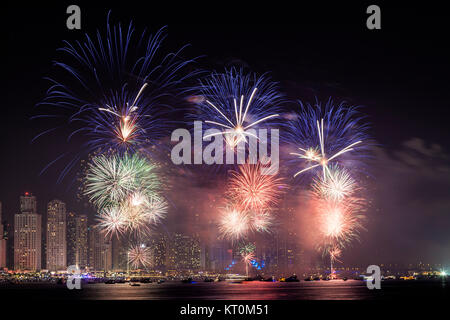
(340, 222)
(102, 99)
(248, 258)
(111, 179)
(321, 158)
(335, 253)
(127, 130)
(112, 221)
(247, 252)
(236, 131)
(234, 103)
(234, 223)
(254, 190)
(125, 189)
(326, 135)
(337, 185)
(262, 221)
(139, 255)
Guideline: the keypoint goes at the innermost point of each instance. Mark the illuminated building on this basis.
(119, 254)
(28, 203)
(27, 235)
(77, 240)
(100, 251)
(56, 249)
(184, 253)
(2, 242)
(159, 246)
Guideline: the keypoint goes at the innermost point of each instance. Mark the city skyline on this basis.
(172, 252)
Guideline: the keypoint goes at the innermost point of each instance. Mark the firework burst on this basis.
(335, 253)
(248, 255)
(340, 222)
(112, 221)
(328, 135)
(234, 103)
(111, 179)
(254, 190)
(262, 221)
(337, 185)
(98, 88)
(234, 223)
(139, 256)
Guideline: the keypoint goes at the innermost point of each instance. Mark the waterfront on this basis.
(254, 290)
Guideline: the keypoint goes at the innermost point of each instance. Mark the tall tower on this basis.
(27, 235)
(119, 254)
(100, 251)
(77, 240)
(27, 203)
(2, 242)
(56, 236)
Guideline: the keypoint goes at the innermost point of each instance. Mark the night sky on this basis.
(399, 75)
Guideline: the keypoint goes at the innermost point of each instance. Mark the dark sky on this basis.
(399, 74)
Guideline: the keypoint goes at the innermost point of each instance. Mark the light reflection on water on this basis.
(255, 290)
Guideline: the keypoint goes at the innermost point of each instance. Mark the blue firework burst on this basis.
(320, 135)
(112, 92)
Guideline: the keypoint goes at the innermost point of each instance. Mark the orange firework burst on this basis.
(254, 190)
(335, 253)
(340, 221)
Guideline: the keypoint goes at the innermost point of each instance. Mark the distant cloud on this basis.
(411, 212)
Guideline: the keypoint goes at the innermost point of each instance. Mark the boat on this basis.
(209, 280)
(146, 280)
(188, 280)
(135, 284)
(235, 278)
(292, 278)
(270, 279)
(345, 278)
(110, 281)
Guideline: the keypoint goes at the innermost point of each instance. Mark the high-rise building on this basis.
(100, 251)
(184, 253)
(28, 203)
(2, 242)
(27, 235)
(56, 249)
(119, 254)
(159, 246)
(77, 240)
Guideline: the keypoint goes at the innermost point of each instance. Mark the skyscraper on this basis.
(159, 245)
(184, 253)
(77, 240)
(28, 203)
(27, 235)
(56, 236)
(100, 251)
(119, 254)
(2, 242)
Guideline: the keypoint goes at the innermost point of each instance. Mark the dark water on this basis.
(316, 290)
